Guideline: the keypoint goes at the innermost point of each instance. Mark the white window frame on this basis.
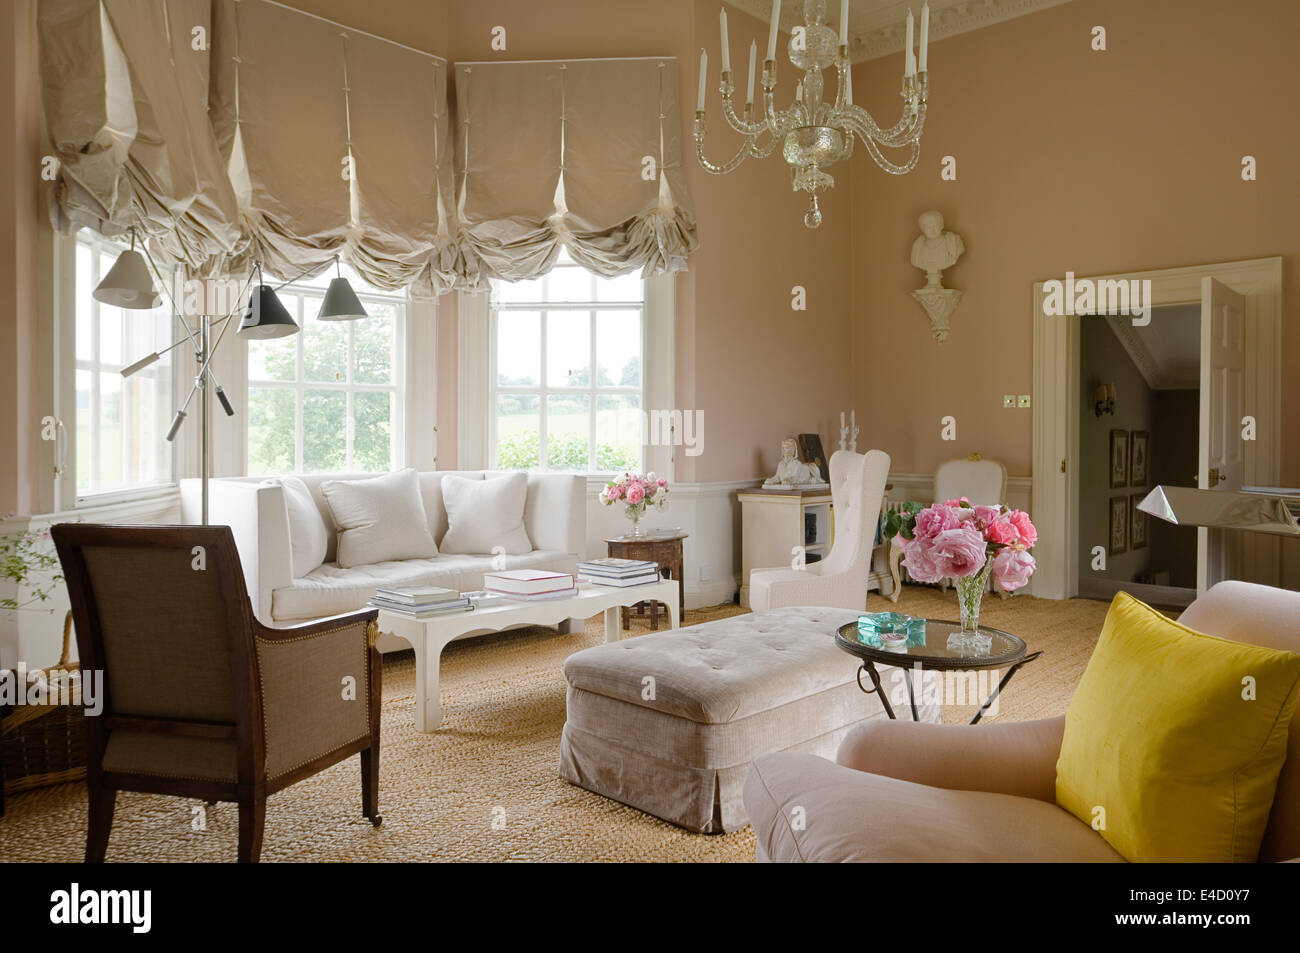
(592, 392)
(398, 427)
(67, 364)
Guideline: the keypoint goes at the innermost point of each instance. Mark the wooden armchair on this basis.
(201, 700)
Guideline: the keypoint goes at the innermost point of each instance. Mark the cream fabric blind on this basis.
(580, 153)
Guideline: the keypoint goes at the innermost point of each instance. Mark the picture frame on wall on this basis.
(1137, 524)
(1139, 451)
(1118, 458)
(1118, 525)
(811, 453)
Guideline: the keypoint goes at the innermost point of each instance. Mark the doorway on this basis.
(1059, 404)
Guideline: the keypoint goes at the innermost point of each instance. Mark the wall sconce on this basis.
(1104, 399)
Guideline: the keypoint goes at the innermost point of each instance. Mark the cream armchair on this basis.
(841, 579)
(904, 791)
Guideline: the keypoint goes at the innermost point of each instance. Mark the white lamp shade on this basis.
(128, 284)
(341, 303)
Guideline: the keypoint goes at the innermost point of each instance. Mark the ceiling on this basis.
(876, 27)
(1168, 350)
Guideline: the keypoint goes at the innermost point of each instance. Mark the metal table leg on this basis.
(1002, 684)
(870, 669)
(911, 695)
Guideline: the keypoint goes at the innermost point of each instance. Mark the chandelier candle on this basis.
(749, 92)
(813, 133)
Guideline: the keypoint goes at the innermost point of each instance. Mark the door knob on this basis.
(1215, 478)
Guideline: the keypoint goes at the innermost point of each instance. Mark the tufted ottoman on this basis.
(668, 722)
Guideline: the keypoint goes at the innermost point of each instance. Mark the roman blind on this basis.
(581, 153)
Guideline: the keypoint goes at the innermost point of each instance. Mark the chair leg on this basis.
(102, 802)
(252, 822)
(370, 785)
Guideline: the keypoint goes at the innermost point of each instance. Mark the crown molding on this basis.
(948, 21)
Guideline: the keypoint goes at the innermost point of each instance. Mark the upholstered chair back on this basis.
(1261, 615)
(980, 481)
(857, 492)
(163, 612)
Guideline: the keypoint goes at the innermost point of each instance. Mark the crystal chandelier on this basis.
(814, 134)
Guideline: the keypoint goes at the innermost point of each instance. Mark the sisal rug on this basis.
(485, 787)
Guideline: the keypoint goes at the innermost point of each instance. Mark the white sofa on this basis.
(254, 509)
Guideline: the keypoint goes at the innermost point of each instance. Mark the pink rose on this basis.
(1025, 526)
(662, 482)
(635, 494)
(933, 520)
(985, 515)
(1002, 531)
(615, 492)
(959, 553)
(916, 557)
(955, 504)
(1012, 568)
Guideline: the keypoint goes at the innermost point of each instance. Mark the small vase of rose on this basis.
(636, 494)
(967, 543)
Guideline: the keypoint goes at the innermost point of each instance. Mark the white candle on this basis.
(772, 30)
(848, 86)
(853, 419)
(798, 91)
(925, 33)
(753, 55)
(841, 420)
(704, 72)
(910, 67)
(844, 22)
(726, 45)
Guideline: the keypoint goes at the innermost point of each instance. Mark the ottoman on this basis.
(668, 722)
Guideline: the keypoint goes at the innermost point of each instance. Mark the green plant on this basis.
(903, 521)
(32, 566)
(563, 452)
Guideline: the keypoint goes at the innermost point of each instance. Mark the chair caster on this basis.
(376, 820)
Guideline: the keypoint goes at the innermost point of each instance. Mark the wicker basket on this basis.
(46, 744)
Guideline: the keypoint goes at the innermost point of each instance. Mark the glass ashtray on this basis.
(891, 631)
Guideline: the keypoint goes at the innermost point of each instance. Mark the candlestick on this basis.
(772, 30)
(704, 72)
(925, 33)
(841, 420)
(910, 63)
(844, 22)
(726, 45)
(753, 55)
(848, 86)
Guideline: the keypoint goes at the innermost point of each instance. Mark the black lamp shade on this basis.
(266, 317)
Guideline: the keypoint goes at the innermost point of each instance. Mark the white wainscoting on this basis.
(35, 637)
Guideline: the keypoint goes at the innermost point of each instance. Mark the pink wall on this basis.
(1067, 160)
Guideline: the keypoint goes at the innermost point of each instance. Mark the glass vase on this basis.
(634, 513)
(970, 593)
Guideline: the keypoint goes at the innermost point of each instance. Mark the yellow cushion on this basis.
(1165, 753)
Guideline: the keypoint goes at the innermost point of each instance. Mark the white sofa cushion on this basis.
(308, 535)
(482, 514)
(379, 519)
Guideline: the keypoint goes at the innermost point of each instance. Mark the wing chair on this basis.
(201, 699)
(905, 791)
(840, 580)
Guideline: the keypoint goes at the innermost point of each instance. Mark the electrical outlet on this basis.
(1022, 401)
(1008, 401)
(706, 573)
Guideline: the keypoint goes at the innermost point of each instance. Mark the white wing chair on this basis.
(841, 579)
(978, 480)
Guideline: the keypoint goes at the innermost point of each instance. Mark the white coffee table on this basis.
(430, 636)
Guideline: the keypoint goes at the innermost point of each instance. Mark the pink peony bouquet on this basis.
(636, 493)
(958, 540)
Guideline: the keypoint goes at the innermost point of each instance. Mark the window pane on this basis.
(517, 431)
(85, 285)
(618, 432)
(618, 348)
(324, 431)
(273, 360)
(569, 284)
(568, 428)
(84, 384)
(270, 430)
(110, 332)
(372, 440)
(373, 345)
(568, 349)
(517, 292)
(109, 473)
(623, 288)
(519, 348)
(324, 347)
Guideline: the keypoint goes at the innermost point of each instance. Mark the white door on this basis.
(1222, 459)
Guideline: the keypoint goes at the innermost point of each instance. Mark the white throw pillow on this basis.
(482, 514)
(379, 518)
(308, 536)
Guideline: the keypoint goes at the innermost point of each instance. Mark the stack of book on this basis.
(619, 572)
(530, 585)
(421, 601)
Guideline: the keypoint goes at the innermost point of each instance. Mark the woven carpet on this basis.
(485, 786)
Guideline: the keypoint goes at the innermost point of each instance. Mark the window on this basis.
(566, 371)
(121, 423)
(328, 399)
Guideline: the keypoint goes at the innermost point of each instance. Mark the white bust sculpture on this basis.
(791, 471)
(932, 252)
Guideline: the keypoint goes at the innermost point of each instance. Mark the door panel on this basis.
(1221, 454)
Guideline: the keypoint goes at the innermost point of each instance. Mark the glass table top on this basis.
(934, 652)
